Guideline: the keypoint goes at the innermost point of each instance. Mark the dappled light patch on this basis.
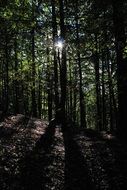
(83, 159)
(107, 136)
(37, 131)
(42, 165)
(104, 156)
(14, 148)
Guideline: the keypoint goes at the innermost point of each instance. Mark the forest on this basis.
(63, 94)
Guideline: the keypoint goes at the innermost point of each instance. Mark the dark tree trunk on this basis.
(39, 94)
(70, 91)
(49, 87)
(54, 31)
(82, 101)
(63, 70)
(34, 109)
(112, 102)
(103, 96)
(75, 96)
(118, 18)
(111, 105)
(33, 93)
(16, 79)
(6, 78)
(97, 79)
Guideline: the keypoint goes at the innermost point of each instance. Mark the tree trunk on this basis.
(16, 79)
(49, 87)
(82, 101)
(118, 18)
(97, 79)
(6, 79)
(63, 70)
(39, 94)
(75, 96)
(33, 93)
(70, 92)
(54, 31)
(103, 96)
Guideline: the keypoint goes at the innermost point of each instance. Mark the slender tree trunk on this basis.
(111, 106)
(82, 101)
(16, 79)
(6, 89)
(1, 76)
(63, 70)
(75, 96)
(39, 94)
(118, 18)
(49, 98)
(33, 93)
(23, 93)
(97, 79)
(70, 91)
(103, 96)
(34, 109)
(54, 31)
(49, 87)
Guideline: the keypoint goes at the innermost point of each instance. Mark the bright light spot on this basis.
(58, 32)
(59, 44)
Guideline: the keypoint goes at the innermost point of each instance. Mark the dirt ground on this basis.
(36, 157)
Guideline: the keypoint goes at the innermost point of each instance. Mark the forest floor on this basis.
(36, 157)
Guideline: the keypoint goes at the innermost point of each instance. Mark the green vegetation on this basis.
(85, 80)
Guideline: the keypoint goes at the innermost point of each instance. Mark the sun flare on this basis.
(59, 44)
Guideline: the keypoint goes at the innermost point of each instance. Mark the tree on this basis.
(120, 38)
(63, 70)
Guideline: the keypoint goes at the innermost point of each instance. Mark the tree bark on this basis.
(16, 79)
(63, 70)
(6, 79)
(54, 31)
(97, 79)
(33, 93)
(82, 101)
(103, 95)
(119, 28)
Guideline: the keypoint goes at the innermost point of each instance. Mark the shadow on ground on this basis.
(37, 157)
(34, 165)
(76, 171)
(106, 159)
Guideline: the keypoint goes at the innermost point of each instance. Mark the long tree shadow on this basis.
(34, 165)
(116, 168)
(76, 171)
(108, 158)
